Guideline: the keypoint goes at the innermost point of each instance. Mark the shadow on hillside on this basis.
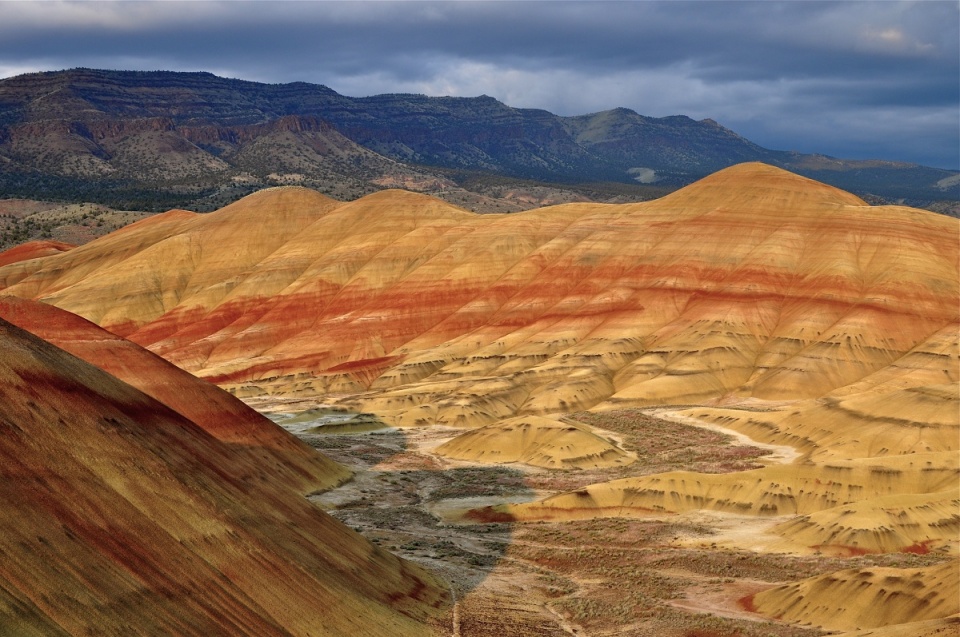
(405, 501)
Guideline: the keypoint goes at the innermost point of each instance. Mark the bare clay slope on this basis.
(282, 456)
(752, 283)
(33, 250)
(856, 599)
(123, 517)
(765, 302)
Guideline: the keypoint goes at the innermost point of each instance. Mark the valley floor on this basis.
(677, 576)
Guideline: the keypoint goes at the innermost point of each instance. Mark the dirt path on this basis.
(456, 612)
(779, 454)
(566, 626)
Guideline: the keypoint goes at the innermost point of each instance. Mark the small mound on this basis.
(537, 441)
(931, 406)
(948, 627)
(899, 523)
(770, 491)
(760, 186)
(920, 419)
(33, 250)
(269, 203)
(858, 598)
(174, 216)
(352, 424)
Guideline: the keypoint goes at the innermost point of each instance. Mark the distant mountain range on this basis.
(155, 140)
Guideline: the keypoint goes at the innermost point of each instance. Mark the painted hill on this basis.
(867, 599)
(33, 250)
(283, 457)
(537, 441)
(754, 299)
(752, 283)
(121, 516)
(913, 523)
(927, 628)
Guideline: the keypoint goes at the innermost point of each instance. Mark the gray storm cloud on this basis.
(851, 79)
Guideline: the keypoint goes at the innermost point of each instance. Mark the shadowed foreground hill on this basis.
(121, 516)
(282, 455)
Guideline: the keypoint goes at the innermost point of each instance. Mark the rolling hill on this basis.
(754, 300)
(750, 284)
(124, 516)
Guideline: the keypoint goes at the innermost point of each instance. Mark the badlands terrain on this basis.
(730, 411)
(162, 505)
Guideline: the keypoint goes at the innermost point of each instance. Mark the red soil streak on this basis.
(33, 250)
(166, 326)
(488, 515)
(381, 363)
(920, 548)
(272, 369)
(746, 603)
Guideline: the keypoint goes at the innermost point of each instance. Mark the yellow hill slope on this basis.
(947, 627)
(913, 522)
(537, 441)
(867, 598)
(751, 283)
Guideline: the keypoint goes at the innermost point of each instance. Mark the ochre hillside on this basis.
(754, 300)
(121, 516)
(752, 283)
(33, 250)
(869, 599)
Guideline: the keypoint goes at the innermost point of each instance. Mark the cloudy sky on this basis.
(850, 79)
